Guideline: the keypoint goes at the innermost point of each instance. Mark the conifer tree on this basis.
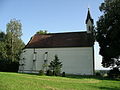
(55, 66)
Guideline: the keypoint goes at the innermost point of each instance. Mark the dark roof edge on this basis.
(60, 47)
(29, 41)
(62, 33)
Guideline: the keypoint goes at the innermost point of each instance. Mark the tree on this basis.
(108, 33)
(55, 66)
(14, 43)
(2, 36)
(2, 46)
(42, 32)
(3, 51)
(14, 27)
(11, 46)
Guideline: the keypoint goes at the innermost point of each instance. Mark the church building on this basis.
(74, 49)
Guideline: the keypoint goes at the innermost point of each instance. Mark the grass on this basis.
(16, 81)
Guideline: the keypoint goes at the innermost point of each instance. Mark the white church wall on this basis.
(74, 60)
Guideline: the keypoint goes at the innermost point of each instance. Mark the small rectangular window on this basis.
(46, 55)
(34, 56)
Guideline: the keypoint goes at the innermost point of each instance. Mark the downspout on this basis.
(93, 60)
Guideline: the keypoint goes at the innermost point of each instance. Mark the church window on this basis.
(46, 55)
(89, 28)
(34, 55)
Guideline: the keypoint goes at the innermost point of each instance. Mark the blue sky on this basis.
(50, 15)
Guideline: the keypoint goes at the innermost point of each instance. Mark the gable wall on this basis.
(75, 60)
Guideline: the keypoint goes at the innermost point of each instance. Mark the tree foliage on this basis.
(14, 43)
(55, 66)
(42, 32)
(10, 46)
(108, 33)
(2, 46)
(14, 28)
(2, 36)
(2, 50)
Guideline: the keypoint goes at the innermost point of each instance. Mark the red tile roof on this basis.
(53, 40)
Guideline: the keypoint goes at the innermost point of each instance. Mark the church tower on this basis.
(89, 22)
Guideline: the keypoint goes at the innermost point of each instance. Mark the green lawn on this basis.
(16, 81)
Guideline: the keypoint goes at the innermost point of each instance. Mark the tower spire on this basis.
(89, 22)
(89, 16)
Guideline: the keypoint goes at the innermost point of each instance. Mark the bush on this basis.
(98, 74)
(8, 66)
(41, 72)
(49, 73)
(63, 74)
(114, 73)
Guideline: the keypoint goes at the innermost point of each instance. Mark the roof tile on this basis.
(54, 40)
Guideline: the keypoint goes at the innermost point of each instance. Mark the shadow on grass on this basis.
(109, 88)
(80, 77)
(31, 74)
(91, 77)
(105, 88)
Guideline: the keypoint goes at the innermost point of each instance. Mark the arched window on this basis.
(45, 56)
(34, 55)
(89, 28)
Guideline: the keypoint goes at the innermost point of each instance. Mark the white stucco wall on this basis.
(74, 60)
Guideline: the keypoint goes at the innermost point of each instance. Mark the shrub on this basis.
(41, 72)
(98, 74)
(8, 66)
(49, 73)
(63, 74)
(114, 73)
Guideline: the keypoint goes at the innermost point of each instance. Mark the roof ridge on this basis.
(62, 33)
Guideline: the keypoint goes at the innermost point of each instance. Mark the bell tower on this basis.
(89, 22)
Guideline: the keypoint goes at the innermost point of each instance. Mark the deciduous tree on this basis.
(14, 43)
(108, 33)
(2, 46)
(42, 32)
